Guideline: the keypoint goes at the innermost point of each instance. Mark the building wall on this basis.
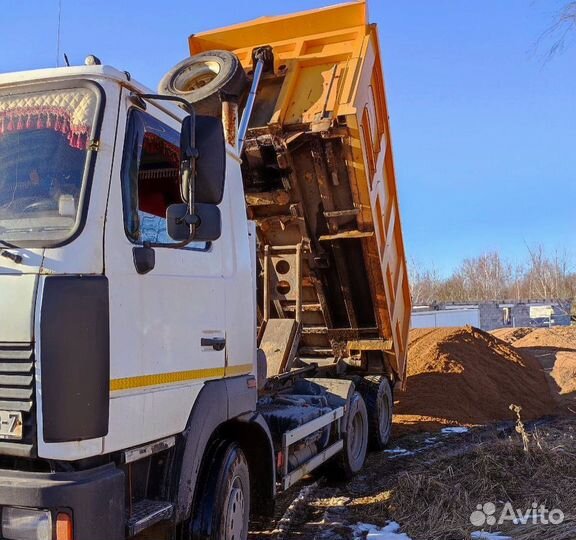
(522, 314)
(446, 318)
(493, 315)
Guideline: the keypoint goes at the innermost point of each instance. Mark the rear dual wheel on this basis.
(369, 423)
(377, 393)
(352, 457)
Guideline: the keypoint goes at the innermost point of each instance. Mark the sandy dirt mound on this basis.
(555, 349)
(561, 337)
(511, 335)
(466, 376)
(564, 373)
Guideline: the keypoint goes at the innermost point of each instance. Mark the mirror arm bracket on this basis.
(191, 219)
(185, 104)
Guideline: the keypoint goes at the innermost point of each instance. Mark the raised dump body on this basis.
(320, 185)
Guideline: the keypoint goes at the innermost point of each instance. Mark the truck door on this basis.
(167, 325)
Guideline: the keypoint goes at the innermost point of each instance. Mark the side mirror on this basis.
(202, 141)
(203, 153)
(207, 221)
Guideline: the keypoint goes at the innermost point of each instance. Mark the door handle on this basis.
(217, 343)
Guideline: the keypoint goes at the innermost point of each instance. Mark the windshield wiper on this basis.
(8, 254)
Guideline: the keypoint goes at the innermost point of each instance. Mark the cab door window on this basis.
(150, 178)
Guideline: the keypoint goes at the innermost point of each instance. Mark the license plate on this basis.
(10, 425)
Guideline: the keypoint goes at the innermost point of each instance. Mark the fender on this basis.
(253, 434)
(220, 409)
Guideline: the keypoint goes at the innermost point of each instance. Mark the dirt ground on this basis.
(429, 484)
(457, 444)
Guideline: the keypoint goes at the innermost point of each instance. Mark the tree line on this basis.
(490, 277)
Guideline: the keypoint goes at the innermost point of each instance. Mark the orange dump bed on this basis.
(320, 185)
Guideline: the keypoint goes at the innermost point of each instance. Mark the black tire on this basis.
(349, 462)
(202, 78)
(223, 509)
(377, 393)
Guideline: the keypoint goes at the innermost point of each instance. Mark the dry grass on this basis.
(432, 492)
(434, 500)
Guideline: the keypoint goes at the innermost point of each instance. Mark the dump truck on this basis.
(204, 288)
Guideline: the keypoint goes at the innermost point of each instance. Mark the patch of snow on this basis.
(398, 452)
(483, 535)
(457, 429)
(373, 532)
(430, 440)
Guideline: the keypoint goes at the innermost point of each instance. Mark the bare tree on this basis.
(453, 290)
(424, 283)
(559, 31)
(489, 277)
(518, 283)
(549, 276)
(486, 277)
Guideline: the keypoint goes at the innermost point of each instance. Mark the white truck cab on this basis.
(105, 341)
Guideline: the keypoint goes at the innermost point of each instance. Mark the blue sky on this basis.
(484, 131)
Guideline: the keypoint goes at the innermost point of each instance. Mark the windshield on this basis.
(44, 148)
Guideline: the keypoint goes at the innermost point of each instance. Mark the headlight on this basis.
(26, 524)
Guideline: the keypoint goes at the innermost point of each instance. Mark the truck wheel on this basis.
(202, 78)
(223, 511)
(353, 455)
(379, 402)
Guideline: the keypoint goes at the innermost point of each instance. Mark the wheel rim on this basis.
(235, 506)
(357, 437)
(204, 74)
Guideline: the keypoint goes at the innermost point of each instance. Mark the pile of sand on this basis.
(560, 337)
(466, 376)
(510, 335)
(555, 349)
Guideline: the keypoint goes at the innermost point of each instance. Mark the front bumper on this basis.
(95, 498)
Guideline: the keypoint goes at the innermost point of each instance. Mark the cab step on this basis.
(146, 513)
